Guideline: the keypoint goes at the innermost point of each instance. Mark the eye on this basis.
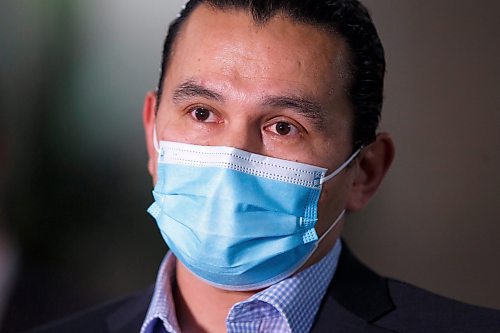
(203, 114)
(283, 128)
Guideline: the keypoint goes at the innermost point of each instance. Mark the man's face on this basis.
(277, 89)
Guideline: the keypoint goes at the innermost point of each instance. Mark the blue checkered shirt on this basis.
(287, 306)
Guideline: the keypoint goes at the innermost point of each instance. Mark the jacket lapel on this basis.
(334, 318)
(355, 299)
(130, 315)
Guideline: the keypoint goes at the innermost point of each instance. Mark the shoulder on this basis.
(418, 310)
(123, 315)
(359, 296)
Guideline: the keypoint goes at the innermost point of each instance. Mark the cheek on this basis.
(171, 127)
(331, 202)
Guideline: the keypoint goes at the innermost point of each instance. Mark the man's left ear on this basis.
(373, 163)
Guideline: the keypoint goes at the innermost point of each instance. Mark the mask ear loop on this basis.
(340, 168)
(155, 141)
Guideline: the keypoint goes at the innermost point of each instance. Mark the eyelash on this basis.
(192, 112)
(271, 126)
(293, 129)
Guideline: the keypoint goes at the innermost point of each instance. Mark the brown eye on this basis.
(201, 114)
(283, 128)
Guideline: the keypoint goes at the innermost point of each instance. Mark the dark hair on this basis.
(348, 18)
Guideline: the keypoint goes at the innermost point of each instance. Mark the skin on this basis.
(251, 80)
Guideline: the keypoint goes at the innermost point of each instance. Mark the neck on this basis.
(201, 307)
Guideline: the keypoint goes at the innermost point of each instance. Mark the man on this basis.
(261, 139)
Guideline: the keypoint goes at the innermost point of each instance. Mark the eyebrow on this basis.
(192, 89)
(305, 107)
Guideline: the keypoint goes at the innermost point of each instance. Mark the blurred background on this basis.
(73, 181)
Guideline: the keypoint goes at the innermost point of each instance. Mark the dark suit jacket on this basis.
(358, 300)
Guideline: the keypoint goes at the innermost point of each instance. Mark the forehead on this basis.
(231, 43)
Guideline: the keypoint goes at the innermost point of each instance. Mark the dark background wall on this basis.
(73, 164)
(435, 221)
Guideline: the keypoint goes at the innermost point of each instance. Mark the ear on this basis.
(149, 122)
(372, 165)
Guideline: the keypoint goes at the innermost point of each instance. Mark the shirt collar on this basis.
(297, 298)
(162, 304)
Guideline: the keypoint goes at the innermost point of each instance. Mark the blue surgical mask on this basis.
(238, 220)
